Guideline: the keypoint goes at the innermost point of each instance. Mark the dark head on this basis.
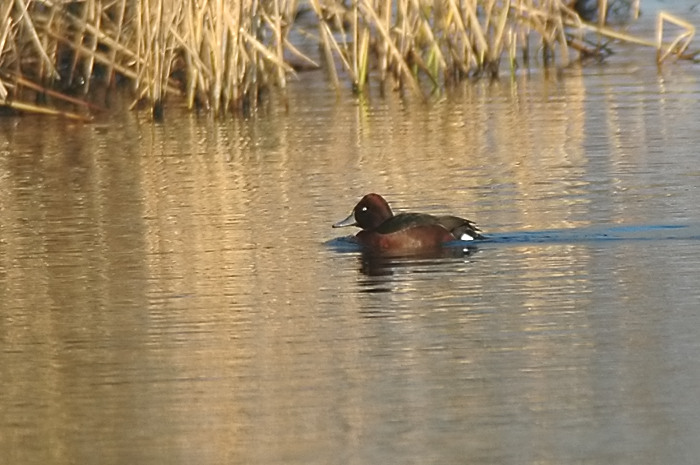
(368, 214)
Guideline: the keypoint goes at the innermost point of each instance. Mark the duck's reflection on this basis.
(386, 264)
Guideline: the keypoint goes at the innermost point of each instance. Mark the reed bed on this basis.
(222, 55)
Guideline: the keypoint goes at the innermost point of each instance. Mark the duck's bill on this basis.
(349, 221)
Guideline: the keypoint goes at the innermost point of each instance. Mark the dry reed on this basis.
(222, 54)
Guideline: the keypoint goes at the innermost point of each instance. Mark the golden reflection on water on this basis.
(168, 293)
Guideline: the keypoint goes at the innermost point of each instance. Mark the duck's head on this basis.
(370, 212)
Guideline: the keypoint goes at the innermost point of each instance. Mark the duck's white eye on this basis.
(364, 209)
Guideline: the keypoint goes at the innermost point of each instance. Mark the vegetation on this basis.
(222, 54)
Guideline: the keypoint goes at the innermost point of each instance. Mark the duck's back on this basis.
(406, 221)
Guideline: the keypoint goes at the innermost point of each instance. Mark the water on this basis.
(174, 293)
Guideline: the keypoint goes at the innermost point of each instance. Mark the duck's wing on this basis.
(404, 221)
(460, 228)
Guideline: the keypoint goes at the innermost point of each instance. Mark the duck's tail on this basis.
(460, 228)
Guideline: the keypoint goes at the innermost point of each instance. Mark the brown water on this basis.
(174, 293)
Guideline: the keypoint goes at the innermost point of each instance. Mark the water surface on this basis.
(172, 293)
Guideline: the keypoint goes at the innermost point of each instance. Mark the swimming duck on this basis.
(382, 230)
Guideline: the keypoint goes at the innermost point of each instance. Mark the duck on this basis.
(382, 230)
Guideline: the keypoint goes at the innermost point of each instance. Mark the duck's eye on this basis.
(364, 209)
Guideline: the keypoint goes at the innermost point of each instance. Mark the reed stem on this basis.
(222, 54)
